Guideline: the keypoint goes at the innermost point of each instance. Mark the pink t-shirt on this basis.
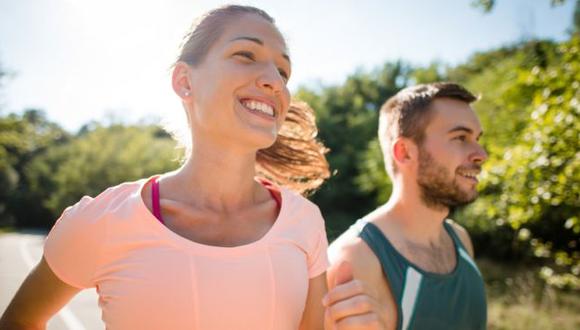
(148, 277)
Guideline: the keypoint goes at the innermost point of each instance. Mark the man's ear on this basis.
(180, 81)
(404, 152)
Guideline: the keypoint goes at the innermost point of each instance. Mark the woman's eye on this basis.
(283, 74)
(247, 55)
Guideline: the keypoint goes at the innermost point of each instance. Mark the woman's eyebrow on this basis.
(259, 42)
(252, 39)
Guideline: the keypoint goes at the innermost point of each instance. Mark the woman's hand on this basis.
(349, 305)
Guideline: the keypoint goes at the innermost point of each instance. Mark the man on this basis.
(412, 267)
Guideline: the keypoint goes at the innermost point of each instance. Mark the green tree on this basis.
(537, 179)
(99, 157)
(528, 206)
(22, 138)
(502, 108)
(347, 118)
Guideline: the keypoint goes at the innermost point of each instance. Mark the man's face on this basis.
(450, 156)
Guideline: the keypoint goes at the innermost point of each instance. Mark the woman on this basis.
(208, 246)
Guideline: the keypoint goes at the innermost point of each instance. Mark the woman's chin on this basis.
(261, 139)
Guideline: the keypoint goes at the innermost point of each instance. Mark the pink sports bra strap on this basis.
(155, 200)
(275, 193)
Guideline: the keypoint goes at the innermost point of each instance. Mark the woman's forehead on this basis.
(252, 27)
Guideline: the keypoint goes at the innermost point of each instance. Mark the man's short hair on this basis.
(408, 112)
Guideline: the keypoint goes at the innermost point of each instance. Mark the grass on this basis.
(519, 299)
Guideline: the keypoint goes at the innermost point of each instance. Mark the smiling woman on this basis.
(295, 159)
(227, 227)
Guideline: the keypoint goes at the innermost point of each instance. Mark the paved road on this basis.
(19, 252)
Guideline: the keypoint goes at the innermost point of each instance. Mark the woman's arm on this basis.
(313, 317)
(40, 296)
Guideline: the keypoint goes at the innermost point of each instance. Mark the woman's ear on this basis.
(180, 80)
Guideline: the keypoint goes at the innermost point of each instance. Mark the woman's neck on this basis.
(215, 178)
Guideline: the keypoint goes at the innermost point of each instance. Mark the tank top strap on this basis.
(394, 267)
(463, 255)
(456, 240)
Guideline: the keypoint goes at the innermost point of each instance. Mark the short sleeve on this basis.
(73, 244)
(317, 256)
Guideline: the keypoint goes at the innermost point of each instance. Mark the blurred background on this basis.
(84, 87)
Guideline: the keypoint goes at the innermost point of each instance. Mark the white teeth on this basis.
(470, 175)
(259, 106)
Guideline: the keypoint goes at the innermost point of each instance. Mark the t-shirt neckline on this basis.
(154, 225)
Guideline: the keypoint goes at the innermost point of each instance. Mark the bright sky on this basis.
(83, 60)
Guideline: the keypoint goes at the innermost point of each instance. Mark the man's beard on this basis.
(439, 188)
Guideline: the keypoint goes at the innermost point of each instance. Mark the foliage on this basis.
(502, 107)
(22, 138)
(532, 187)
(98, 158)
(372, 176)
(518, 299)
(347, 119)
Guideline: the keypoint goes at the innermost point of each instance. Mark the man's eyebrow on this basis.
(259, 42)
(463, 129)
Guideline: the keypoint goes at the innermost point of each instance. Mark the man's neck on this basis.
(408, 216)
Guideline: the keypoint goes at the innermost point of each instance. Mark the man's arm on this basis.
(41, 295)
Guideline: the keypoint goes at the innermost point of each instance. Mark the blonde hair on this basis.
(296, 159)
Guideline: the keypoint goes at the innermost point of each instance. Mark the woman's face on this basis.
(238, 91)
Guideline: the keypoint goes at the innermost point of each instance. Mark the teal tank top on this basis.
(428, 300)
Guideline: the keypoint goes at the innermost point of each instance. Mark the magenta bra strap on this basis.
(155, 200)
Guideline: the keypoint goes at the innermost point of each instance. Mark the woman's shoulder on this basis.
(75, 244)
(301, 213)
(298, 202)
(106, 202)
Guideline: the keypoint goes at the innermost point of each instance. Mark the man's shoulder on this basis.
(463, 235)
(350, 247)
(347, 245)
(366, 267)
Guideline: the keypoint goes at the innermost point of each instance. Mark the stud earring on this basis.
(186, 93)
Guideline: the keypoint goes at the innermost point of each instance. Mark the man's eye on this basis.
(460, 138)
(247, 55)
